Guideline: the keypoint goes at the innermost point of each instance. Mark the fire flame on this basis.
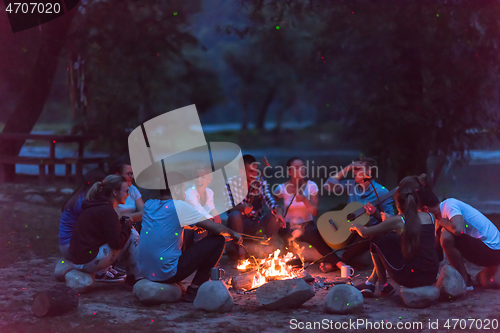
(273, 268)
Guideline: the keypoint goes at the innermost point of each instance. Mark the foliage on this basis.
(141, 61)
(412, 82)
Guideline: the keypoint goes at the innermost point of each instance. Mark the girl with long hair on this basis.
(300, 204)
(100, 237)
(403, 245)
(72, 208)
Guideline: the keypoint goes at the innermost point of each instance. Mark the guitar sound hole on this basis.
(351, 217)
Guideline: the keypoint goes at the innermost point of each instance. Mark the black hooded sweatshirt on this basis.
(97, 225)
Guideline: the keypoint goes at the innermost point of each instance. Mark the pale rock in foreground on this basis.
(149, 292)
(63, 266)
(344, 299)
(451, 283)
(284, 294)
(213, 296)
(78, 280)
(420, 297)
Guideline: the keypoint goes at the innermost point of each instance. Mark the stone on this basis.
(451, 283)
(421, 297)
(150, 293)
(66, 191)
(35, 198)
(284, 294)
(489, 277)
(213, 296)
(343, 299)
(63, 266)
(78, 280)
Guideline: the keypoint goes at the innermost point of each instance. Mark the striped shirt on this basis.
(258, 192)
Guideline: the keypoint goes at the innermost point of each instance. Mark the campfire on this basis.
(272, 268)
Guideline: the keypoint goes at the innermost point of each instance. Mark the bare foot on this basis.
(326, 267)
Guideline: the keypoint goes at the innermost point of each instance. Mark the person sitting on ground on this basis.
(134, 204)
(202, 199)
(403, 245)
(100, 238)
(72, 208)
(358, 190)
(464, 233)
(160, 256)
(300, 199)
(247, 217)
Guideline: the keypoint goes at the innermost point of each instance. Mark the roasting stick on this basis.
(306, 266)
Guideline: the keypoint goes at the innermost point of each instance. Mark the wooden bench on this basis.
(50, 161)
(43, 162)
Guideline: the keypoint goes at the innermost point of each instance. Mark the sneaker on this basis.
(388, 290)
(367, 290)
(470, 283)
(111, 275)
(190, 294)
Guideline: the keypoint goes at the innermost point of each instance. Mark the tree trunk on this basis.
(36, 91)
(57, 300)
(261, 117)
(243, 281)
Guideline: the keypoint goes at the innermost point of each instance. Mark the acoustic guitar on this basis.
(334, 226)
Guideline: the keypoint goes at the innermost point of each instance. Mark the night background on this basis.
(413, 84)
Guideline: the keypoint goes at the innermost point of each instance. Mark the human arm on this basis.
(393, 223)
(311, 200)
(456, 226)
(335, 184)
(114, 232)
(137, 215)
(268, 198)
(220, 229)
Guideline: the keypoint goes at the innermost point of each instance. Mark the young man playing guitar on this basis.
(247, 217)
(360, 189)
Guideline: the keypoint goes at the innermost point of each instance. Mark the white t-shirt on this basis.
(129, 205)
(298, 212)
(476, 224)
(193, 198)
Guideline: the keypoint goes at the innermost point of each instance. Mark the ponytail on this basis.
(104, 189)
(407, 202)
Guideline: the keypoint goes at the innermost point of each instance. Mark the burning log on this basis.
(54, 301)
(243, 281)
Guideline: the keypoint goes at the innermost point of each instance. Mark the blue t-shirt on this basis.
(68, 220)
(161, 237)
(357, 194)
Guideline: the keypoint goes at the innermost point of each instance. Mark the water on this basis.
(475, 183)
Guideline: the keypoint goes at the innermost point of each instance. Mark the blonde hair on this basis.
(105, 188)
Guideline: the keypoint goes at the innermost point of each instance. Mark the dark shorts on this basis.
(476, 252)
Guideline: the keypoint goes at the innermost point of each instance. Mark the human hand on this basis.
(370, 209)
(237, 237)
(248, 209)
(300, 198)
(357, 228)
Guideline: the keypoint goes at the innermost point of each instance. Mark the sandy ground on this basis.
(28, 255)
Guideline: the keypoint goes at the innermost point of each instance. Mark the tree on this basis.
(37, 88)
(141, 61)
